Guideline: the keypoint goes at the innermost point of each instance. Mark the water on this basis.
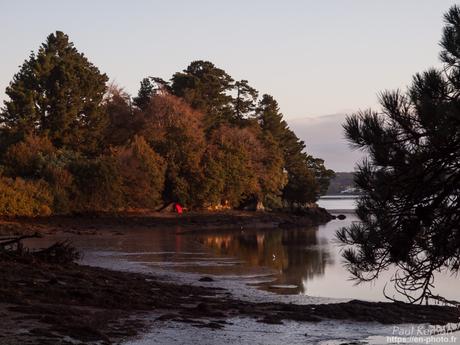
(304, 263)
(338, 203)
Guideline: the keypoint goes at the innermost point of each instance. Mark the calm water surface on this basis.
(301, 265)
(302, 261)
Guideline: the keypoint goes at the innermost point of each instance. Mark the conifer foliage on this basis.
(410, 205)
(58, 93)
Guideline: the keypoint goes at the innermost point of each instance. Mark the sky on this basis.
(321, 59)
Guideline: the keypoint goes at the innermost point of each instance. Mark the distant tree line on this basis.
(72, 142)
(342, 183)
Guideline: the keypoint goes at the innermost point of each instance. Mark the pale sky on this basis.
(315, 57)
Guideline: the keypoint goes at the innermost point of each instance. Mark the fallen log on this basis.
(58, 253)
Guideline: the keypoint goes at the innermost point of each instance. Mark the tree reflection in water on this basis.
(294, 255)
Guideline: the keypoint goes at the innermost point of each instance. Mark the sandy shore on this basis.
(46, 303)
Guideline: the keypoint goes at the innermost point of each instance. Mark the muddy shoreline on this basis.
(189, 221)
(43, 303)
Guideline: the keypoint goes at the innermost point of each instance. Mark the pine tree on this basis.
(206, 88)
(410, 205)
(144, 94)
(270, 117)
(58, 93)
(307, 177)
(244, 102)
(149, 87)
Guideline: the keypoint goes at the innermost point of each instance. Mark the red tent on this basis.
(178, 208)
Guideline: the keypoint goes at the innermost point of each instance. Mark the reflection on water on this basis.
(284, 261)
(294, 255)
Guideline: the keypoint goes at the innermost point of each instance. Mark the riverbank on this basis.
(42, 302)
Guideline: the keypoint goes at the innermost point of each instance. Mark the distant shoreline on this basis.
(340, 196)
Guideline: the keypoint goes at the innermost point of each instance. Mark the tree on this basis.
(307, 177)
(410, 181)
(98, 184)
(175, 131)
(323, 175)
(270, 118)
(149, 87)
(143, 174)
(242, 167)
(206, 88)
(245, 100)
(272, 177)
(36, 159)
(28, 157)
(232, 160)
(144, 94)
(58, 93)
(122, 120)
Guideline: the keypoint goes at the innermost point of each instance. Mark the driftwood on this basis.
(6, 241)
(60, 252)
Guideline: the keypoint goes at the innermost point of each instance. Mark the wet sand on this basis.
(43, 303)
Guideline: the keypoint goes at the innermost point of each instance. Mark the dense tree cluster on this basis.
(71, 142)
(410, 205)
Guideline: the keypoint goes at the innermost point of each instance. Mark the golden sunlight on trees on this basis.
(71, 143)
(142, 171)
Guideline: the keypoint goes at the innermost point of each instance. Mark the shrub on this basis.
(60, 182)
(97, 184)
(143, 174)
(20, 197)
(27, 158)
